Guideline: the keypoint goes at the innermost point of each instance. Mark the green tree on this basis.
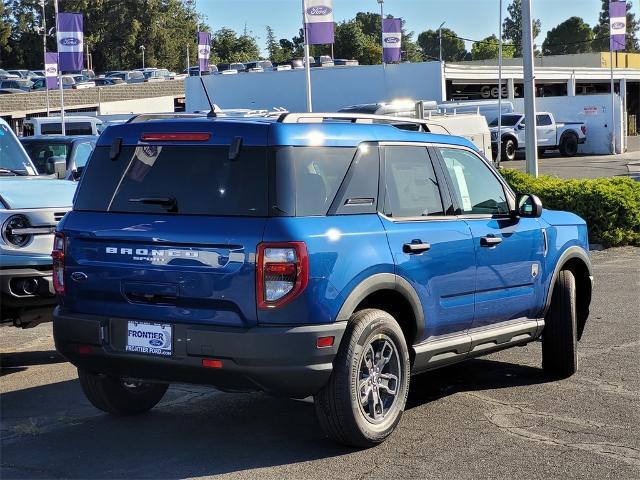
(601, 31)
(452, 47)
(571, 36)
(350, 40)
(512, 27)
(5, 33)
(229, 47)
(487, 49)
(276, 53)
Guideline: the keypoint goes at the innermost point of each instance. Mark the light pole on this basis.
(381, 2)
(440, 35)
(531, 141)
(142, 50)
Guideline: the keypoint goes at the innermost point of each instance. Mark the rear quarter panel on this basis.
(343, 251)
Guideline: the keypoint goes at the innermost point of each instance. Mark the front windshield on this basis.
(13, 160)
(507, 121)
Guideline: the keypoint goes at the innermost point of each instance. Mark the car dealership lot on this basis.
(495, 417)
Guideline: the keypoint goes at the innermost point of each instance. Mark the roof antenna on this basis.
(212, 112)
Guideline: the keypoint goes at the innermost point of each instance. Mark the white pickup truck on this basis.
(551, 135)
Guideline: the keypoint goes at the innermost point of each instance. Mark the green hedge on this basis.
(610, 206)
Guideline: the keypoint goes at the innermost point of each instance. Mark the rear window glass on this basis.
(71, 128)
(41, 151)
(314, 174)
(187, 180)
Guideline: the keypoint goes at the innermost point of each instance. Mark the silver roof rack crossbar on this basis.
(145, 117)
(358, 118)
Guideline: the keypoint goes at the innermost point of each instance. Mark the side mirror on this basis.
(529, 206)
(57, 166)
(521, 126)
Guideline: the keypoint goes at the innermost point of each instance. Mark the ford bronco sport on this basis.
(309, 255)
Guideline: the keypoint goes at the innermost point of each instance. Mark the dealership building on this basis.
(572, 87)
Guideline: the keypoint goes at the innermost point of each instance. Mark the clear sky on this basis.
(474, 19)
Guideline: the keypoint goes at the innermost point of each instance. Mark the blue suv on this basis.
(317, 255)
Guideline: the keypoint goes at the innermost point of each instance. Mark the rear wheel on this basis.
(541, 152)
(509, 149)
(559, 338)
(569, 145)
(366, 394)
(120, 397)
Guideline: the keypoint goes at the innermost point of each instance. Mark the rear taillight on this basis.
(584, 129)
(58, 263)
(282, 273)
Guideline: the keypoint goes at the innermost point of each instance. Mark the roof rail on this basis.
(359, 118)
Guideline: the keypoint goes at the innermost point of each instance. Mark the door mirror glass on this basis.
(529, 206)
(521, 126)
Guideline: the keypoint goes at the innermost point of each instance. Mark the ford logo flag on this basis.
(203, 51)
(391, 40)
(618, 25)
(319, 11)
(52, 70)
(70, 41)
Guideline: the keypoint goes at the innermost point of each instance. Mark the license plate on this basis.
(150, 338)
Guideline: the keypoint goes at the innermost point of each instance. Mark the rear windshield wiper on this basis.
(15, 172)
(170, 203)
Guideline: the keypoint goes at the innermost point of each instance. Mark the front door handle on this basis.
(490, 241)
(416, 246)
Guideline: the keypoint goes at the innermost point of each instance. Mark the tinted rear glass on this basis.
(201, 179)
(41, 151)
(71, 128)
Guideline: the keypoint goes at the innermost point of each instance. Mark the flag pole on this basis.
(499, 154)
(63, 129)
(307, 66)
(381, 2)
(44, 53)
(613, 106)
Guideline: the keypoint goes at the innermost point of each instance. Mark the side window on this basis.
(477, 189)
(81, 155)
(411, 185)
(543, 120)
(359, 192)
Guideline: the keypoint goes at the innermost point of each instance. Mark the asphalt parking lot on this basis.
(588, 166)
(495, 417)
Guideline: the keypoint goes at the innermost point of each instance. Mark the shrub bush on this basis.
(610, 206)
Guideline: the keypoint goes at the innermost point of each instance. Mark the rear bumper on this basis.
(27, 294)
(283, 361)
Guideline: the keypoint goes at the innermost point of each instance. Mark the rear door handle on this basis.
(415, 247)
(490, 241)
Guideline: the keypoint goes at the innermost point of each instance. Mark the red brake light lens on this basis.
(282, 273)
(175, 137)
(58, 263)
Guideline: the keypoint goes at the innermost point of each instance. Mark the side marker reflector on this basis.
(211, 363)
(325, 342)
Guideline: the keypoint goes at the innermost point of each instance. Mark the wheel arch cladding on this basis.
(394, 295)
(577, 261)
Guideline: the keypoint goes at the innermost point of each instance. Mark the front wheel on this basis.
(364, 399)
(560, 337)
(509, 149)
(118, 396)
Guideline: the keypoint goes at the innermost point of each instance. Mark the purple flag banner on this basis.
(391, 39)
(204, 50)
(70, 42)
(51, 70)
(318, 21)
(618, 25)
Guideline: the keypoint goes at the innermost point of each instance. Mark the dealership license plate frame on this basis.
(139, 345)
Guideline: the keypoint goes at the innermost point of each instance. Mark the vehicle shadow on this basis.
(195, 431)
(13, 362)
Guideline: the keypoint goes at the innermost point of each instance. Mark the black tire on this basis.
(569, 145)
(559, 338)
(338, 405)
(541, 152)
(509, 149)
(112, 395)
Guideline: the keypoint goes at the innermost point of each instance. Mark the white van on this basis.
(74, 125)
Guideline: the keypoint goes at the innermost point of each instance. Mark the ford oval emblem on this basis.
(618, 25)
(154, 342)
(70, 41)
(319, 11)
(204, 51)
(392, 40)
(52, 70)
(79, 276)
